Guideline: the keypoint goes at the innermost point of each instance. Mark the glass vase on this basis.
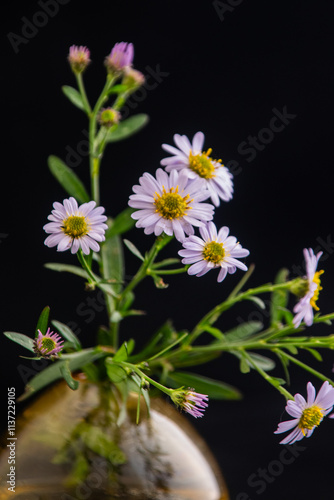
(84, 444)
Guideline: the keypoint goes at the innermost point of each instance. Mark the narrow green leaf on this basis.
(263, 362)
(315, 353)
(243, 331)
(21, 339)
(205, 385)
(279, 298)
(67, 333)
(124, 351)
(142, 391)
(112, 262)
(115, 372)
(133, 249)
(266, 364)
(128, 127)
(66, 374)
(117, 89)
(68, 179)
(259, 302)
(122, 223)
(74, 96)
(244, 366)
(43, 321)
(53, 372)
(78, 271)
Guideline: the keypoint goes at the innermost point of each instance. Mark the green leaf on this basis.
(66, 374)
(67, 333)
(118, 89)
(244, 365)
(96, 440)
(53, 372)
(74, 96)
(43, 320)
(78, 271)
(122, 223)
(243, 331)
(115, 372)
(128, 127)
(21, 339)
(266, 364)
(315, 353)
(259, 302)
(124, 351)
(68, 179)
(215, 332)
(279, 299)
(112, 262)
(205, 385)
(133, 249)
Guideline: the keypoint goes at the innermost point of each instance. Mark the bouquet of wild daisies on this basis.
(177, 201)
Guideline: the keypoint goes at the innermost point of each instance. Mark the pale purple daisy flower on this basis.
(170, 204)
(74, 227)
(48, 345)
(214, 250)
(198, 163)
(307, 414)
(79, 58)
(190, 401)
(120, 57)
(304, 308)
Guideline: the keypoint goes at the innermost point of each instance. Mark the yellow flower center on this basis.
(171, 205)
(48, 344)
(310, 418)
(214, 252)
(202, 164)
(75, 226)
(315, 297)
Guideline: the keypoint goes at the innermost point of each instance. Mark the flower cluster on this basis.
(173, 204)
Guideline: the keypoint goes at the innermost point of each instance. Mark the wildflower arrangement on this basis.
(176, 201)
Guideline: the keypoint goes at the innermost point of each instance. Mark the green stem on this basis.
(82, 90)
(94, 158)
(147, 378)
(212, 316)
(144, 269)
(305, 367)
(86, 267)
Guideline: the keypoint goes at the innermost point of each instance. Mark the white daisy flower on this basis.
(74, 227)
(307, 414)
(170, 204)
(304, 308)
(198, 163)
(214, 250)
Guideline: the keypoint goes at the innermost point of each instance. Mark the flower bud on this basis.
(78, 58)
(108, 117)
(120, 57)
(133, 79)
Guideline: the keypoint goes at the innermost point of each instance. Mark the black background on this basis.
(224, 73)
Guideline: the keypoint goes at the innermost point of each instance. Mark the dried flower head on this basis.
(190, 401)
(48, 345)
